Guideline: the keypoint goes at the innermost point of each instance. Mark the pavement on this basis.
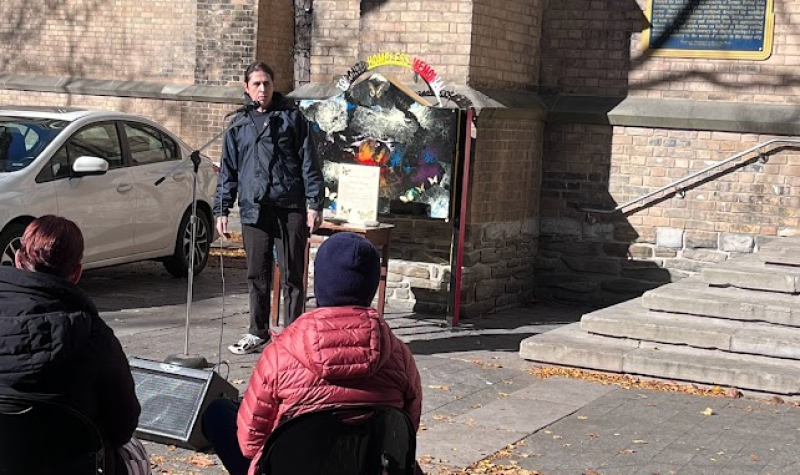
(481, 401)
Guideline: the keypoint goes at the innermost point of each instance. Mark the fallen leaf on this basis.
(583, 418)
(557, 437)
(238, 381)
(594, 436)
(591, 472)
(733, 393)
(708, 412)
(440, 417)
(502, 394)
(201, 461)
(639, 442)
(627, 451)
(755, 457)
(438, 386)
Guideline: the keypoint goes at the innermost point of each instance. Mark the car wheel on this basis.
(10, 242)
(178, 263)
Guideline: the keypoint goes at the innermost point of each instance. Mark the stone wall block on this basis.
(570, 246)
(704, 255)
(530, 227)
(731, 242)
(561, 227)
(662, 252)
(488, 290)
(600, 266)
(684, 265)
(701, 239)
(501, 272)
(546, 263)
(425, 283)
(570, 282)
(523, 273)
(640, 251)
(669, 237)
(402, 293)
(490, 256)
(602, 231)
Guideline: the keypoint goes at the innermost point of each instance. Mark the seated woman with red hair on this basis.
(56, 347)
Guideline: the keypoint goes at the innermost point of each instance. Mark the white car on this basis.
(100, 169)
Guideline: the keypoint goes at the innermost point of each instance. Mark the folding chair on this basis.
(362, 440)
(47, 438)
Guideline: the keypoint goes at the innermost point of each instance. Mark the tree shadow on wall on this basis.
(588, 67)
(368, 6)
(591, 258)
(46, 38)
(736, 77)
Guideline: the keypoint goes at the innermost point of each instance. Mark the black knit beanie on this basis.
(347, 270)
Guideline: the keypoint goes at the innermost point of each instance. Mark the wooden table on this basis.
(379, 236)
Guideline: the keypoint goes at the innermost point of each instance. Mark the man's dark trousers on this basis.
(287, 230)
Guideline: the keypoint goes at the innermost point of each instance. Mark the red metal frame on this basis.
(462, 221)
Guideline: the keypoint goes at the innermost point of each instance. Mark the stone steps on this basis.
(738, 325)
(781, 251)
(630, 321)
(692, 297)
(571, 346)
(750, 272)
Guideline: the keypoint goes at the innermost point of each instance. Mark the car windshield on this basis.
(23, 139)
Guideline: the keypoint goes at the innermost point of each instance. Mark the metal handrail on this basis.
(675, 183)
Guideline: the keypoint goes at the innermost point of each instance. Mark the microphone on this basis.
(249, 105)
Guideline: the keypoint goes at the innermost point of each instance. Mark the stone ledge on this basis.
(773, 119)
(743, 117)
(115, 88)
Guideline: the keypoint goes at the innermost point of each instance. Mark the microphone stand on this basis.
(186, 360)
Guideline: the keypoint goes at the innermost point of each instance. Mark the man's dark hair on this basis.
(52, 245)
(258, 66)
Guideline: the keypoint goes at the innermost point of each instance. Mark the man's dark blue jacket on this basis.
(274, 166)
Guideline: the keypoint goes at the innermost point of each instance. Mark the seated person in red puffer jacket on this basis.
(342, 353)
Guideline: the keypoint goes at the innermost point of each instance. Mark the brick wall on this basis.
(275, 40)
(121, 39)
(437, 31)
(618, 256)
(505, 43)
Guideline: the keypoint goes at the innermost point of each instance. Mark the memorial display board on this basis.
(714, 29)
(378, 123)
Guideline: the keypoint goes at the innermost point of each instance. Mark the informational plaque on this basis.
(358, 194)
(715, 29)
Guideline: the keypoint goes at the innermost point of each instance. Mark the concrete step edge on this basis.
(576, 349)
(571, 346)
(768, 375)
(752, 338)
(730, 303)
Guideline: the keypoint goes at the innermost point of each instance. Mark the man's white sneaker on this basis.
(248, 344)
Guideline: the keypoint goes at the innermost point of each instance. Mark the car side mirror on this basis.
(85, 166)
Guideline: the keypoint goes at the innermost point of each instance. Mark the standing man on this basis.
(269, 161)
